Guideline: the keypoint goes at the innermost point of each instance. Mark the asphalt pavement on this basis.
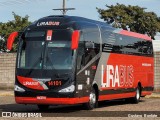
(148, 109)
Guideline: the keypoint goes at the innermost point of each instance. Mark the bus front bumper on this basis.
(43, 100)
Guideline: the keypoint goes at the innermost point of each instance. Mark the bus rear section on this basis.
(126, 66)
(73, 60)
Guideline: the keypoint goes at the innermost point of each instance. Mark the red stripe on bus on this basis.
(30, 83)
(34, 100)
(133, 34)
(144, 93)
(116, 96)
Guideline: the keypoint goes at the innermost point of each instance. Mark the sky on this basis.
(36, 9)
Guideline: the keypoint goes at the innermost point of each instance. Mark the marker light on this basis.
(75, 39)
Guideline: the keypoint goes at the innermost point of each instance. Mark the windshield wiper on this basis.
(48, 59)
(35, 63)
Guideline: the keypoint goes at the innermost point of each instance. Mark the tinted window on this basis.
(146, 48)
(126, 45)
(108, 40)
(133, 46)
(42, 35)
(92, 42)
(80, 55)
(117, 43)
(35, 34)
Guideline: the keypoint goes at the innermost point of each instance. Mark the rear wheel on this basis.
(43, 107)
(136, 99)
(92, 100)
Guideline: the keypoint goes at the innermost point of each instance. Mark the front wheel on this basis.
(92, 100)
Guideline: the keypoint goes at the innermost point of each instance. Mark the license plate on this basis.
(41, 97)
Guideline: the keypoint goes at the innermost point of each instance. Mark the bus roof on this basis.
(64, 19)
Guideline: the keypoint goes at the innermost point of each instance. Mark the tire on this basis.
(136, 99)
(92, 100)
(43, 107)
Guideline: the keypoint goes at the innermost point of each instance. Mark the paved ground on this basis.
(148, 107)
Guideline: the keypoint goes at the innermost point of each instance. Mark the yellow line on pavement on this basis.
(7, 94)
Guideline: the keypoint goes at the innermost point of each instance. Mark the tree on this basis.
(18, 24)
(133, 18)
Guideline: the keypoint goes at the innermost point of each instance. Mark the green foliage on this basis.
(134, 18)
(18, 24)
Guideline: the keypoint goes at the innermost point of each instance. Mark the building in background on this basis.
(156, 48)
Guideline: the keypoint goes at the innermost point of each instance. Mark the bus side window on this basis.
(91, 37)
(108, 40)
(147, 49)
(128, 45)
(92, 45)
(80, 55)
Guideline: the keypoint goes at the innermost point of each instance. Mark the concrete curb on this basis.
(6, 93)
(153, 95)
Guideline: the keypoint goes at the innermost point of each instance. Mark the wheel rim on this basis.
(137, 94)
(92, 98)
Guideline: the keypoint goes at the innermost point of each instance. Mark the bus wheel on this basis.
(43, 107)
(136, 99)
(92, 100)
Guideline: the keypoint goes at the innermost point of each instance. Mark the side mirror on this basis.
(75, 39)
(11, 39)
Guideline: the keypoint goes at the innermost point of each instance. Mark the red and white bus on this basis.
(74, 60)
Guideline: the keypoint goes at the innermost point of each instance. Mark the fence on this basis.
(7, 70)
(157, 71)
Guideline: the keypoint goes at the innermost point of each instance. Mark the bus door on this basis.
(87, 58)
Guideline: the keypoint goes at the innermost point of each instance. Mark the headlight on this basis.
(18, 89)
(68, 89)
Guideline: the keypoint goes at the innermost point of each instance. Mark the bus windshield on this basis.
(58, 55)
(42, 54)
